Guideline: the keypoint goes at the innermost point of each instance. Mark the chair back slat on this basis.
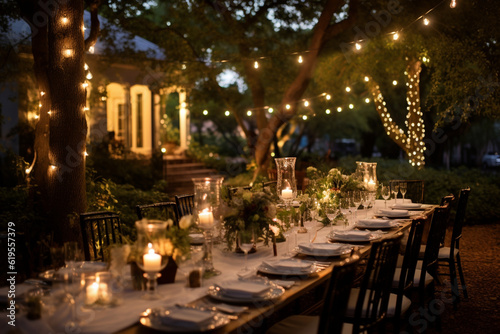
(337, 296)
(99, 230)
(375, 288)
(185, 205)
(161, 210)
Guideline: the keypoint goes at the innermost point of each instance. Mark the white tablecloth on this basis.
(112, 319)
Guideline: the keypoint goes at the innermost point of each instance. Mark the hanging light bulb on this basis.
(287, 107)
(270, 110)
(328, 97)
(394, 82)
(367, 100)
(395, 36)
(357, 46)
(205, 112)
(227, 113)
(367, 79)
(85, 67)
(351, 106)
(339, 109)
(300, 60)
(327, 111)
(426, 21)
(348, 89)
(256, 64)
(453, 4)
(249, 113)
(89, 76)
(306, 103)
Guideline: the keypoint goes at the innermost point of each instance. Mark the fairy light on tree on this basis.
(411, 141)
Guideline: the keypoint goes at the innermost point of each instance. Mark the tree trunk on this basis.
(58, 51)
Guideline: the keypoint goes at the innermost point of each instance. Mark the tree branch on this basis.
(94, 23)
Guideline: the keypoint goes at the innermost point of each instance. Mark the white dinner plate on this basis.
(391, 216)
(273, 293)
(341, 250)
(332, 236)
(270, 270)
(151, 318)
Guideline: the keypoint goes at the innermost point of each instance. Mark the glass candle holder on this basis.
(368, 174)
(152, 252)
(207, 215)
(98, 290)
(287, 185)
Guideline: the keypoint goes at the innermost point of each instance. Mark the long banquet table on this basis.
(124, 318)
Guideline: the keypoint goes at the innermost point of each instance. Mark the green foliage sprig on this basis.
(244, 209)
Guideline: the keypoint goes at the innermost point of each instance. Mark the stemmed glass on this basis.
(74, 282)
(403, 188)
(246, 241)
(344, 209)
(365, 197)
(356, 202)
(395, 190)
(386, 194)
(70, 254)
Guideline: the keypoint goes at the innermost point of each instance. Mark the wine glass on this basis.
(386, 194)
(365, 198)
(344, 206)
(70, 254)
(403, 187)
(356, 202)
(395, 190)
(74, 283)
(246, 241)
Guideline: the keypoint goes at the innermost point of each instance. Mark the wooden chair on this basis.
(161, 210)
(407, 276)
(451, 255)
(414, 189)
(429, 264)
(185, 205)
(371, 303)
(99, 230)
(330, 319)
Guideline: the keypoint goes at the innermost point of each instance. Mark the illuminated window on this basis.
(140, 136)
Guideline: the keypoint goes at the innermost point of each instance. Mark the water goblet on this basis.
(403, 187)
(356, 199)
(71, 254)
(74, 283)
(395, 190)
(386, 194)
(344, 206)
(246, 241)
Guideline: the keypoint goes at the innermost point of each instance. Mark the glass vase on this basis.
(287, 185)
(207, 215)
(152, 252)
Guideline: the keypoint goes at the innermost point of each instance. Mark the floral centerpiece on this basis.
(326, 189)
(249, 208)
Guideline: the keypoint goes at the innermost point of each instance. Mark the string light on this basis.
(91, 49)
(328, 97)
(89, 76)
(49, 112)
(227, 113)
(395, 36)
(351, 106)
(64, 20)
(357, 46)
(394, 82)
(86, 67)
(453, 4)
(42, 93)
(249, 113)
(300, 60)
(67, 53)
(205, 112)
(327, 111)
(163, 150)
(304, 117)
(426, 21)
(306, 103)
(270, 110)
(256, 64)
(348, 89)
(287, 107)
(85, 153)
(339, 109)
(53, 167)
(367, 100)
(367, 79)
(85, 84)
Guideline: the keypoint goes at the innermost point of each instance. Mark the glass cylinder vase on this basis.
(287, 185)
(152, 252)
(207, 214)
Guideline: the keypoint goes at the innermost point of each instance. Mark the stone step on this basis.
(184, 166)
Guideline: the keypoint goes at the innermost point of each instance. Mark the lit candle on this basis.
(206, 218)
(152, 261)
(96, 291)
(287, 193)
(371, 185)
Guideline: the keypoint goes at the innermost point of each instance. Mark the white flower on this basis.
(185, 222)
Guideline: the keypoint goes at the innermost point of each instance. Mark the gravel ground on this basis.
(480, 250)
